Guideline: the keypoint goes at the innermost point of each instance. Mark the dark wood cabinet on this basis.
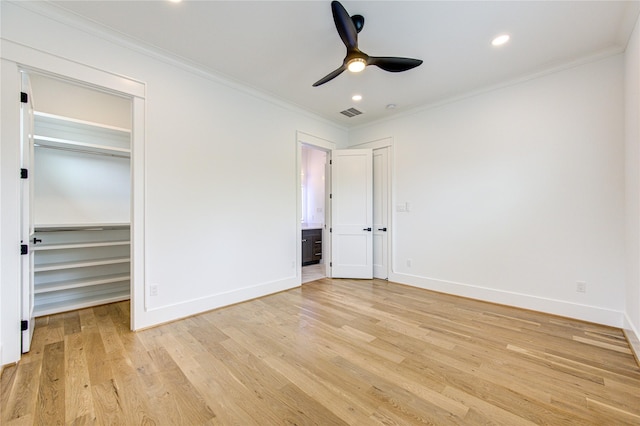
(311, 246)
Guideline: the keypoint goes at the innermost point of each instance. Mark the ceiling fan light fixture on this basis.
(356, 64)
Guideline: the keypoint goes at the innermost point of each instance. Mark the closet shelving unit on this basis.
(77, 265)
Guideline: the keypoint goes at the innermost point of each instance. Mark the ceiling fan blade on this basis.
(392, 64)
(330, 76)
(345, 26)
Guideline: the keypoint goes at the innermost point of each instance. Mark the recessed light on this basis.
(500, 40)
(356, 98)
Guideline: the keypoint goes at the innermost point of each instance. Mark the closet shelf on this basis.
(80, 264)
(81, 226)
(80, 303)
(69, 123)
(39, 247)
(51, 142)
(79, 283)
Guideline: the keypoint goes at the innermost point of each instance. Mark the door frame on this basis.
(326, 146)
(18, 58)
(386, 142)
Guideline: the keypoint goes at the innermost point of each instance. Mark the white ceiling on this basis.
(283, 47)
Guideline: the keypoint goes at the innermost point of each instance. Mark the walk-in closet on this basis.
(79, 198)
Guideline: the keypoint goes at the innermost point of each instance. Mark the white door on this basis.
(26, 224)
(326, 234)
(352, 213)
(381, 212)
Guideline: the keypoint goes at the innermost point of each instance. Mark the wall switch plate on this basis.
(153, 290)
(401, 208)
(409, 263)
(581, 286)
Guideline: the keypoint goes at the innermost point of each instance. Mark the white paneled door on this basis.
(381, 216)
(352, 213)
(26, 224)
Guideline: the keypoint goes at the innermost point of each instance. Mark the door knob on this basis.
(36, 240)
(367, 229)
(382, 229)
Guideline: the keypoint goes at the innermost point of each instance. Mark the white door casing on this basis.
(26, 222)
(352, 213)
(326, 234)
(381, 216)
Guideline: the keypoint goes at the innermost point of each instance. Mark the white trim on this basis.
(551, 306)
(308, 139)
(167, 313)
(633, 337)
(138, 172)
(376, 144)
(303, 138)
(45, 63)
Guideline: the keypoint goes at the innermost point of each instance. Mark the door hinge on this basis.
(24, 325)
(330, 229)
(330, 264)
(24, 173)
(24, 249)
(330, 196)
(24, 98)
(330, 162)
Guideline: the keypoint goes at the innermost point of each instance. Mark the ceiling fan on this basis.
(348, 28)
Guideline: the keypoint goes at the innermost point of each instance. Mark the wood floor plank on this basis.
(79, 403)
(332, 352)
(19, 391)
(51, 395)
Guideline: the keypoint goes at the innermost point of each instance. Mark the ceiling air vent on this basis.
(351, 112)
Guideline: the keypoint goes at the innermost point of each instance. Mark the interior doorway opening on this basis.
(75, 197)
(313, 196)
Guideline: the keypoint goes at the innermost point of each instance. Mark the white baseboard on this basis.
(633, 337)
(167, 313)
(551, 306)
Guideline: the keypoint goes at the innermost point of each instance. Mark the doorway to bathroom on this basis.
(313, 195)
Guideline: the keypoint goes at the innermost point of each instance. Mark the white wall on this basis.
(516, 194)
(217, 158)
(632, 156)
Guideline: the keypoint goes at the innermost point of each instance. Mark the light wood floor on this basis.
(333, 352)
(313, 273)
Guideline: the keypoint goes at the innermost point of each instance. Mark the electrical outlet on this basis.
(153, 290)
(581, 286)
(409, 262)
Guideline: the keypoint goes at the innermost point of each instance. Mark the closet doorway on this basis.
(76, 197)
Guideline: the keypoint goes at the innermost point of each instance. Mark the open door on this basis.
(26, 224)
(352, 213)
(381, 213)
